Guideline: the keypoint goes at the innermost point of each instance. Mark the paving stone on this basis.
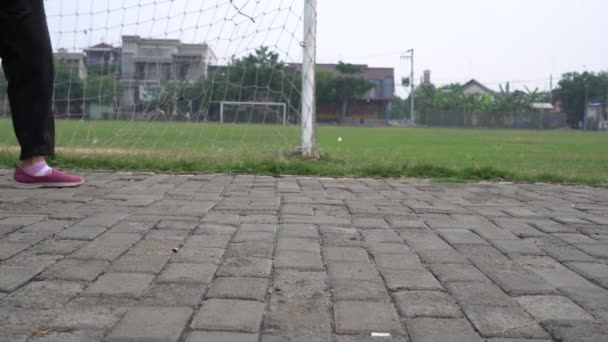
(424, 240)
(462, 237)
(209, 241)
(15, 276)
(575, 238)
(299, 308)
(544, 308)
(250, 249)
(299, 260)
(445, 256)
(406, 223)
(359, 290)
(517, 247)
(578, 331)
(131, 285)
(305, 231)
(239, 288)
(519, 228)
(566, 253)
(96, 251)
(298, 244)
(340, 237)
(366, 317)
(88, 317)
(80, 233)
(58, 247)
(414, 304)
(43, 295)
(139, 227)
(596, 271)
(598, 250)
(51, 226)
(173, 236)
(441, 329)
(28, 238)
(101, 220)
(154, 324)
(326, 220)
(14, 321)
(473, 293)
(447, 273)
(500, 321)
(592, 299)
(252, 236)
(389, 248)
(139, 264)
(418, 279)
(8, 249)
(173, 295)
(224, 336)
(176, 225)
(397, 261)
(187, 273)
(76, 270)
(163, 247)
(553, 272)
(499, 339)
(380, 235)
(215, 229)
(370, 223)
(353, 254)
(512, 278)
(368, 338)
(70, 336)
(229, 315)
(199, 255)
(246, 267)
(259, 227)
(353, 271)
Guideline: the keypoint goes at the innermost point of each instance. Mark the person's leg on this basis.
(27, 59)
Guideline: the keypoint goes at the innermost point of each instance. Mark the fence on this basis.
(530, 120)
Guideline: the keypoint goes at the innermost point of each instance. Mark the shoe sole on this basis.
(47, 185)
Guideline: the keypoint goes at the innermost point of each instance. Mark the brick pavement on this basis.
(147, 257)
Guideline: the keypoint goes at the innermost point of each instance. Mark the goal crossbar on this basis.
(250, 103)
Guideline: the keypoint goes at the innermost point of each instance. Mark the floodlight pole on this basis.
(308, 78)
(412, 95)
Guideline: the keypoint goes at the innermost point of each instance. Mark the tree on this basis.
(349, 86)
(574, 88)
(102, 90)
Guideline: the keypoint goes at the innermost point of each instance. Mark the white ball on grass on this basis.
(339, 139)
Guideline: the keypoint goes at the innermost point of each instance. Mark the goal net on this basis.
(158, 77)
(253, 112)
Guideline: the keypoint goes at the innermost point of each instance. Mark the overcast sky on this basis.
(493, 41)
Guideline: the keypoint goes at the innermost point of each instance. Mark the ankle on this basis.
(31, 161)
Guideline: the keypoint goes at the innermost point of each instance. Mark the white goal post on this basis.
(282, 105)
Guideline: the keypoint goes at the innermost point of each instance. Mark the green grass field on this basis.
(442, 154)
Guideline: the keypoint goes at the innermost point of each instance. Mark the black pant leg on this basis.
(27, 59)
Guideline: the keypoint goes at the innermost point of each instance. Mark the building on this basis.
(475, 87)
(74, 61)
(373, 106)
(104, 57)
(147, 64)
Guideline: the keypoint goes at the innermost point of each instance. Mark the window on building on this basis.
(377, 91)
(388, 87)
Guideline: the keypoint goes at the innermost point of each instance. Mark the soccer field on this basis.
(446, 154)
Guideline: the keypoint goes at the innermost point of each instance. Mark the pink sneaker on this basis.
(56, 179)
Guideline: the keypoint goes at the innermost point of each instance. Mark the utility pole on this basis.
(586, 106)
(412, 88)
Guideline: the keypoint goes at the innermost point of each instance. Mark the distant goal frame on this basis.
(282, 105)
